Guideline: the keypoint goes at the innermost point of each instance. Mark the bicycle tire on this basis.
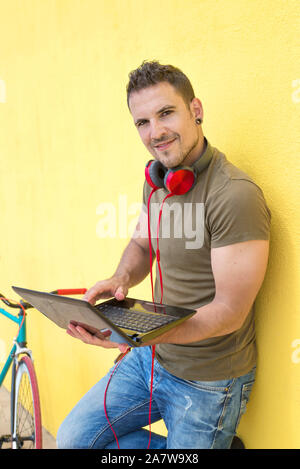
(27, 426)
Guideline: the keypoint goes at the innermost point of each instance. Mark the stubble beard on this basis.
(178, 160)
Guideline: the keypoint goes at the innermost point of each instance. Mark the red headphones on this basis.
(178, 180)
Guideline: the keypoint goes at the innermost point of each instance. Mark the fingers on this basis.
(123, 347)
(100, 340)
(102, 289)
(120, 293)
(106, 289)
(82, 334)
(93, 294)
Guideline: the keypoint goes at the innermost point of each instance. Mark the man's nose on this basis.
(157, 131)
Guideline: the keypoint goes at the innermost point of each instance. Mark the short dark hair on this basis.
(151, 73)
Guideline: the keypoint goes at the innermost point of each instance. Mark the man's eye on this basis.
(166, 113)
(141, 123)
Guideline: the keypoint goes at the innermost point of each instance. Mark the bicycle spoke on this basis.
(25, 421)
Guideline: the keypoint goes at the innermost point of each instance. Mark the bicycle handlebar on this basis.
(66, 291)
(70, 291)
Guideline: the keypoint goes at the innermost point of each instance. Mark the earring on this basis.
(198, 121)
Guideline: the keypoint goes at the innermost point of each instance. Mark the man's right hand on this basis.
(116, 286)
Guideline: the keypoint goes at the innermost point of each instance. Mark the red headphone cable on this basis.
(161, 286)
(157, 250)
(153, 348)
(152, 291)
(105, 411)
(161, 289)
(149, 239)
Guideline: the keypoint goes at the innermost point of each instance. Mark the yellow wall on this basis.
(67, 144)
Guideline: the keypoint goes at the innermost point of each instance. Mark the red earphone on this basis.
(178, 180)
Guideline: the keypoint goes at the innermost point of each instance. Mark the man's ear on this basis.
(196, 109)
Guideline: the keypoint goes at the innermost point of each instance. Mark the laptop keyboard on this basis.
(135, 320)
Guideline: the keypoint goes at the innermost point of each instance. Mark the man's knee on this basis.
(67, 438)
(76, 434)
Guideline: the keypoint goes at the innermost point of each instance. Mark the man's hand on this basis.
(94, 338)
(116, 286)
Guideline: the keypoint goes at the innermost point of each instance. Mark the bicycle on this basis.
(25, 409)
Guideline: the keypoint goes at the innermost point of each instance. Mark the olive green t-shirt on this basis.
(224, 207)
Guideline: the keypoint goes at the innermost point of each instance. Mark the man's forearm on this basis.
(134, 265)
(212, 320)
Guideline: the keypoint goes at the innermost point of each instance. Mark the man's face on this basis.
(166, 125)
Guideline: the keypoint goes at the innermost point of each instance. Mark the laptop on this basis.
(130, 321)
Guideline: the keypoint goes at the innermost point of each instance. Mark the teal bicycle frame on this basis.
(20, 433)
(20, 340)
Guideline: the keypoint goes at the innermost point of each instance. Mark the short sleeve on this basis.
(145, 196)
(237, 212)
(146, 193)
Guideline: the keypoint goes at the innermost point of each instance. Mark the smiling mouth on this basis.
(164, 145)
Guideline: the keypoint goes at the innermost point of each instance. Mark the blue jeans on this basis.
(197, 414)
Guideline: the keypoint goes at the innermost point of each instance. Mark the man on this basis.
(204, 368)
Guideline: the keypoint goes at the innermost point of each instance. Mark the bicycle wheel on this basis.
(27, 425)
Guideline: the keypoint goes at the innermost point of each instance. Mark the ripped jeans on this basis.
(197, 414)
